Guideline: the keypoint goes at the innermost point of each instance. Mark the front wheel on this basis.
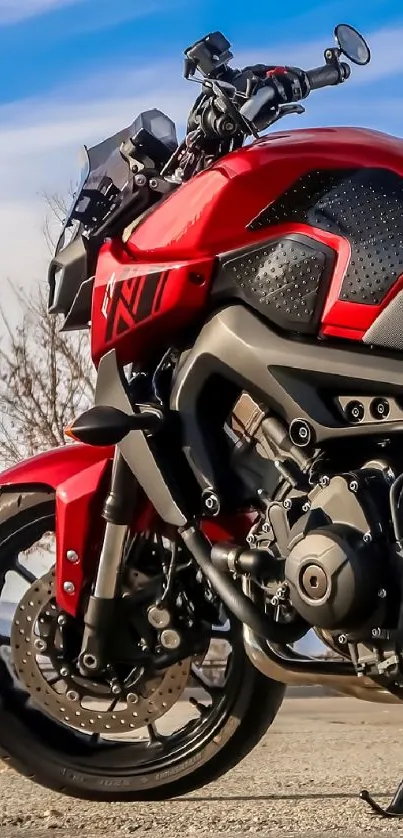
(215, 723)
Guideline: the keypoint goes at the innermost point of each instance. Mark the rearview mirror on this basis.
(352, 44)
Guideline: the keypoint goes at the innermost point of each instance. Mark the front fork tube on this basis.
(118, 513)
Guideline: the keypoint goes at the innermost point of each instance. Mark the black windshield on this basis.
(106, 178)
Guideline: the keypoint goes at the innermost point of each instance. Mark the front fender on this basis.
(78, 474)
(53, 467)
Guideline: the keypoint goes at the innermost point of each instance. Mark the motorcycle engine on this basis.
(333, 533)
(335, 565)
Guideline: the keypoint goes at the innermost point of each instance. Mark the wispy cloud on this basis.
(15, 11)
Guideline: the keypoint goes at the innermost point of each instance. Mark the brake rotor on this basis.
(66, 696)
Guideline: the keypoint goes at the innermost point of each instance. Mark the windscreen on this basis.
(105, 175)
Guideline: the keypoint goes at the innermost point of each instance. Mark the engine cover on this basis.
(334, 577)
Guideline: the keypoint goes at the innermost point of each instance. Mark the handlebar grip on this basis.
(327, 75)
(265, 96)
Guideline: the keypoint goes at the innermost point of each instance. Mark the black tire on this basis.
(57, 758)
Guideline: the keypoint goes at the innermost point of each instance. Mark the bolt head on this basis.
(69, 587)
(40, 645)
(266, 528)
(382, 593)
(353, 486)
(116, 689)
(132, 698)
(287, 503)
(72, 695)
(64, 672)
(342, 639)
(170, 639)
(324, 481)
(367, 538)
(72, 556)
(62, 620)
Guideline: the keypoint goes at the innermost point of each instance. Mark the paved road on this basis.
(302, 780)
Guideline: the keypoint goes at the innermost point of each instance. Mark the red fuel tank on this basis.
(306, 226)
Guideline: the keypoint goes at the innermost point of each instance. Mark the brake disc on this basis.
(37, 650)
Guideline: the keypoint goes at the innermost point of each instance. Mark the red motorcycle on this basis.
(239, 480)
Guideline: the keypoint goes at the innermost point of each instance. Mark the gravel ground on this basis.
(303, 779)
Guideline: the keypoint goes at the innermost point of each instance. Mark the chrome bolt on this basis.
(153, 183)
(266, 528)
(159, 618)
(132, 698)
(72, 556)
(140, 180)
(250, 538)
(116, 689)
(170, 639)
(62, 620)
(324, 481)
(376, 632)
(64, 672)
(353, 486)
(72, 695)
(90, 661)
(382, 593)
(367, 538)
(287, 503)
(343, 639)
(40, 645)
(306, 507)
(69, 587)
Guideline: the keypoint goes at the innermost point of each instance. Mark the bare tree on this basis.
(46, 379)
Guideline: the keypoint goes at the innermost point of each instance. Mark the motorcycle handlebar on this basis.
(327, 75)
(267, 95)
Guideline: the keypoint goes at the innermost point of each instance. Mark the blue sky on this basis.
(74, 71)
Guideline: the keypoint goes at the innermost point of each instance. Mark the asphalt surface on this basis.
(303, 779)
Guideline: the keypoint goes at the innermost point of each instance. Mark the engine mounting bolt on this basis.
(72, 556)
(343, 639)
(382, 593)
(324, 481)
(69, 587)
(353, 486)
(132, 698)
(287, 503)
(40, 645)
(367, 538)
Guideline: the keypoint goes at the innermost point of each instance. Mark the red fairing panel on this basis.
(78, 474)
(138, 306)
